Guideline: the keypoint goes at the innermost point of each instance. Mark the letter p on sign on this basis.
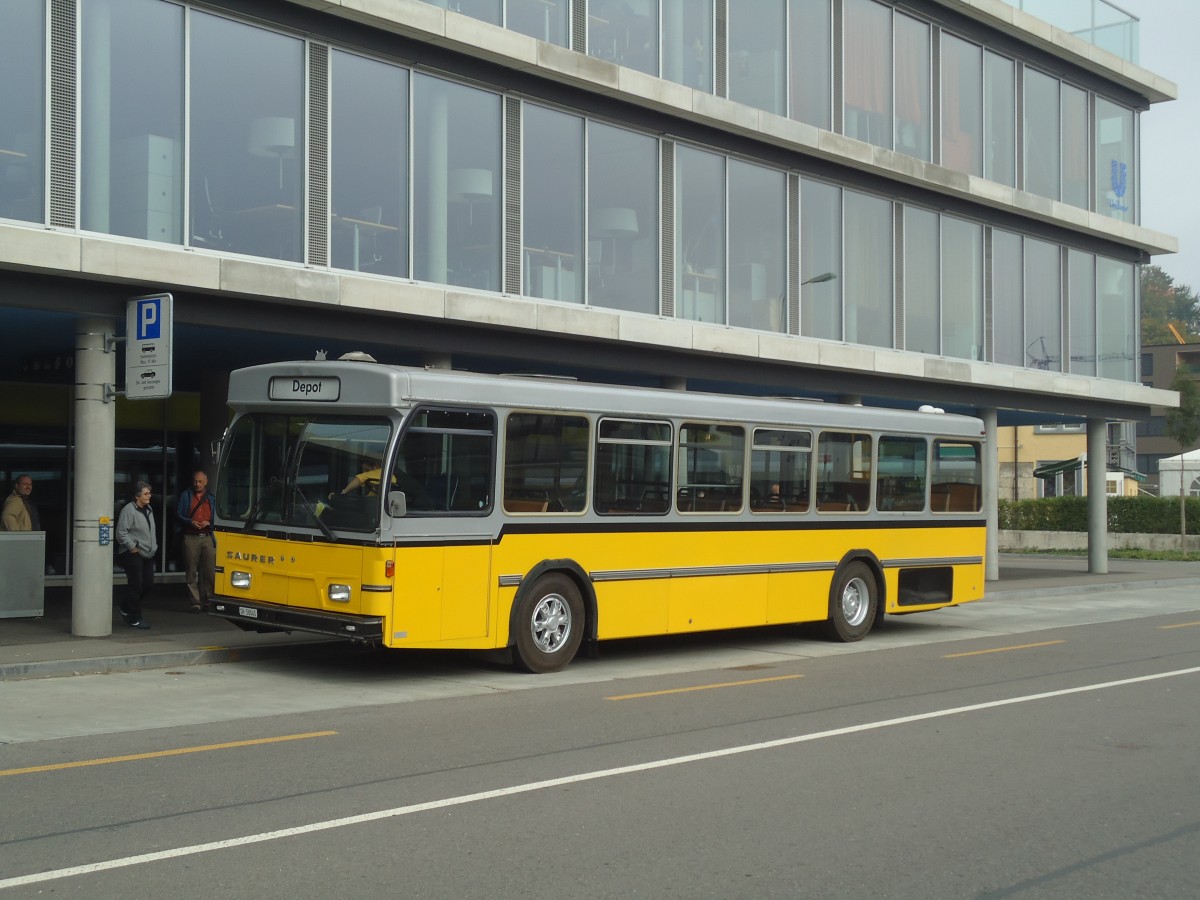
(149, 319)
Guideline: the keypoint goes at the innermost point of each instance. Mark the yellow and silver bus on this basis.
(431, 508)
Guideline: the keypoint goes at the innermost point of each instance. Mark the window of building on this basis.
(820, 260)
(869, 279)
(1000, 119)
(1008, 316)
(962, 105)
(625, 32)
(246, 91)
(1147, 365)
(1043, 305)
(622, 219)
(699, 235)
(368, 165)
(1116, 173)
(712, 461)
(757, 54)
(922, 281)
(912, 86)
(811, 49)
(23, 112)
(687, 52)
(552, 211)
(546, 20)
(1116, 325)
(757, 247)
(456, 184)
(491, 11)
(867, 90)
(1075, 147)
(131, 164)
(962, 288)
(1081, 301)
(1061, 428)
(1042, 135)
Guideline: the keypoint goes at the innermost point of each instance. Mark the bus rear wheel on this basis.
(549, 624)
(853, 603)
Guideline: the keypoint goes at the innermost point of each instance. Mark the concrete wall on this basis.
(1077, 540)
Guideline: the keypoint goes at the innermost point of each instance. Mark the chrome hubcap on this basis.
(855, 602)
(551, 623)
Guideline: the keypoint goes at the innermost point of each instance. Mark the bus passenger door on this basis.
(442, 591)
(466, 587)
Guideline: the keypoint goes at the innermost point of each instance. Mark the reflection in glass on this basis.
(962, 104)
(247, 139)
(1000, 111)
(687, 43)
(820, 255)
(485, 10)
(1042, 130)
(1007, 299)
(1116, 171)
(546, 20)
(622, 219)
(625, 32)
(757, 247)
(552, 211)
(699, 235)
(913, 123)
(868, 83)
(1081, 284)
(811, 47)
(1117, 339)
(1043, 305)
(962, 289)
(368, 165)
(922, 272)
(869, 281)
(757, 54)
(456, 184)
(22, 112)
(132, 154)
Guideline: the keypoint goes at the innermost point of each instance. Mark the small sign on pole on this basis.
(149, 331)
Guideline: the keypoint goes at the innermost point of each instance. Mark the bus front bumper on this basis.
(256, 616)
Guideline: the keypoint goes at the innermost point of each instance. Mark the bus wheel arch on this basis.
(552, 614)
(856, 597)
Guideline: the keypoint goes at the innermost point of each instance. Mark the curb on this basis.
(1100, 587)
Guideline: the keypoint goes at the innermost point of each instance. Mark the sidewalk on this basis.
(44, 647)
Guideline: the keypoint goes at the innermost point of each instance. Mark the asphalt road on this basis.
(961, 757)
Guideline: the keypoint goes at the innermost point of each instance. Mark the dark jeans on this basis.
(139, 570)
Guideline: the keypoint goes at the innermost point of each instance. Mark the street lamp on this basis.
(819, 279)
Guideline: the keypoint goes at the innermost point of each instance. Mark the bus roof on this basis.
(364, 387)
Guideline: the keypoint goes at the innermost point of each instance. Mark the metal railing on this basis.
(1098, 22)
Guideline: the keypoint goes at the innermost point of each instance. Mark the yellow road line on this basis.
(1002, 649)
(1180, 625)
(178, 752)
(703, 687)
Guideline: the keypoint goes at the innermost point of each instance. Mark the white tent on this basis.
(1175, 470)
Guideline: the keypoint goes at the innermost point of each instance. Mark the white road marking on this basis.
(263, 837)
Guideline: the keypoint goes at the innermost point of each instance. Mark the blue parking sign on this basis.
(149, 318)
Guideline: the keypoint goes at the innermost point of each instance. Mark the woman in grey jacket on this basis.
(137, 538)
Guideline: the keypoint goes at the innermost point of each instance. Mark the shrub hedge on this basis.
(1126, 515)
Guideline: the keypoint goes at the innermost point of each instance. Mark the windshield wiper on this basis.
(256, 510)
(325, 529)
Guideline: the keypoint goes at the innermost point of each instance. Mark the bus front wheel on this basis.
(853, 602)
(549, 624)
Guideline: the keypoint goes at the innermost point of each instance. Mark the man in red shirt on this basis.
(194, 518)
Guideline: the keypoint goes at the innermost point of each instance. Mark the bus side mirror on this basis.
(397, 504)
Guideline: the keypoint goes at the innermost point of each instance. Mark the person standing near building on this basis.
(138, 540)
(19, 512)
(194, 517)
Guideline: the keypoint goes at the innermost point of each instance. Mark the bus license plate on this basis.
(247, 612)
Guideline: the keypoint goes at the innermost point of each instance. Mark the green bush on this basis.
(1126, 515)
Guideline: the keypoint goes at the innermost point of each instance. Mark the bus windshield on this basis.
(304, 471)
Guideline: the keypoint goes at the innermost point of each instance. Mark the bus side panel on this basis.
(711, 602)
(632, 608)
(798, 597)
(442, 594)
(466, 581)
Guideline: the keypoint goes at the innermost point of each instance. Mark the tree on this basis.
(1166, 303)
(1183, 426)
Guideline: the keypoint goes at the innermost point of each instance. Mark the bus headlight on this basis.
(239, 580)
(339, 593)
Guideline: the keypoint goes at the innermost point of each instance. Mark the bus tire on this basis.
(853, 603)
(549, 624)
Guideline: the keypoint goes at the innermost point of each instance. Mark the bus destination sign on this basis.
(312, 388)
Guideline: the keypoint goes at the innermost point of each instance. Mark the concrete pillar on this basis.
(991, 493)
(1097, 496)
(95, 436)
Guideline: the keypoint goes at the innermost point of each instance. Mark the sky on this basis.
(1171, 131)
